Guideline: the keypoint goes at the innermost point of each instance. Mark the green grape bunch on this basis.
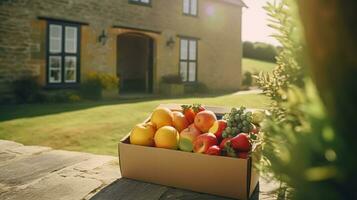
(238, 121)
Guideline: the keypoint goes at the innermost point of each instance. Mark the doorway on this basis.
(135, 63)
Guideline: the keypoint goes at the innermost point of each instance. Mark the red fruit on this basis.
(198, 108)
(218, 128)
(203, 142)
(241, 142)
(214, 150)
(189, 114)
(204, 120)
(256, 129)
(243, 155)
(223, 143)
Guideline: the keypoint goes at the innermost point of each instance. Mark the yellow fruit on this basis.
(143, 134)
(167, 137)
(162, 117)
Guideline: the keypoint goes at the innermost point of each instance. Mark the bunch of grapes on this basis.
(238, 121)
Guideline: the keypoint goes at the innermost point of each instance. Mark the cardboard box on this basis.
(218, 175)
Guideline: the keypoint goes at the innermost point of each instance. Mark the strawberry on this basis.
(241, 143)
(198, 108)
(225, 143)
(214, 150)
(189, 113)
(243, 155)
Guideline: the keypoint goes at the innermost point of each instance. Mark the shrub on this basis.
(196, 88)
(247, 79)
(25, 89)
(74, 98)
(91, 88)
(107, 81)
(95, 82)
(171, 79)
(260, 51)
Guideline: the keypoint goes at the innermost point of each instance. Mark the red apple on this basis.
(241, 142)
(203, 142)
(179, 121)
(243, 155)
(218, 128)
(204, 120)
(187, 136)
(214, 150)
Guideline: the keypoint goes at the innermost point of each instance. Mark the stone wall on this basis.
(218, 25)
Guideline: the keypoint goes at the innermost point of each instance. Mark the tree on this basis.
(309, 140)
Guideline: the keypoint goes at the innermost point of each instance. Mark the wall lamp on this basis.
(103, 38)
(170, 42)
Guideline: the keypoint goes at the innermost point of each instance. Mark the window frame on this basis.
(189, 9)
(139, 2)
(63, 54)
(188, 60)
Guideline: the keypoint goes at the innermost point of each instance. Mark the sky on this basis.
(254, 23)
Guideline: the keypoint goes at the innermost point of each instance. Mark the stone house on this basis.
(138, 40)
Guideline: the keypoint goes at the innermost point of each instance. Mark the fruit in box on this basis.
(187, 136)
(257, 117)
(203, 142)
(241, 143)
(214, 150)
(204, 120)
(188, 113)
(218, 128)
(243, 155)
(143, 134)
(179, 121)
(224, 144)
(166, 137)
(162, 117)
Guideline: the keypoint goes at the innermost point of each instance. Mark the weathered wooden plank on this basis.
(54, 187)
(23, 170)
(127, 189)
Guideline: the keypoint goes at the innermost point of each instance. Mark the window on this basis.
(140, 2)
(188, 59)
(63, 53)
(190, 7)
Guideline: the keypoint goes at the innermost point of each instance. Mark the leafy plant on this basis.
(26, 89)
(260, 51)
(301, 149)
(171, 79)
(95, 83)
(247, 79)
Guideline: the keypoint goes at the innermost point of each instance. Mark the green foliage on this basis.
(91, 89)
(26, 89)
(95, 82)
(171, 79)
(198, 88)
(247, 79)
(260, 51)
(300, 147)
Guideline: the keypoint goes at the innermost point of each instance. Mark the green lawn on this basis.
(255, 66)
(94, 127)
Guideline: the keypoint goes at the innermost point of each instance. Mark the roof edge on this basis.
(236, 2)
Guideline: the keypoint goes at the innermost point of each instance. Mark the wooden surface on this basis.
(128, 189)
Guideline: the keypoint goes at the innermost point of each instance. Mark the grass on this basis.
(94, 127)
(256, 66)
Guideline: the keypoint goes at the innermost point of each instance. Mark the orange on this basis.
(162, 117)
(166, 137)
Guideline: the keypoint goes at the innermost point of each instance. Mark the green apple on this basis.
(187, 136)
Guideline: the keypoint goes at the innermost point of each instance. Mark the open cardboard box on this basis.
(218, 175)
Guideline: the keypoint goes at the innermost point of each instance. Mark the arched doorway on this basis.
(135, 63)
